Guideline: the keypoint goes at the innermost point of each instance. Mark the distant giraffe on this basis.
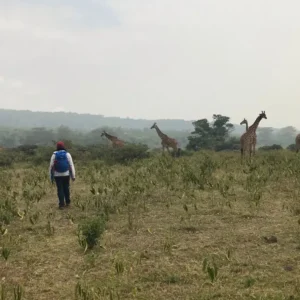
(116, 143)
(248, 139)
(166, 141)
(297, 142)
(246, 123)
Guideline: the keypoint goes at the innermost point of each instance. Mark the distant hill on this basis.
(30, 119)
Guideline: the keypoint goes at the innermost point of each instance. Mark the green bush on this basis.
(185, 153)
(90, 230)
(127, 153)
(27, 149)
(5, 216)
(273, 147)
(231, 144)
(291, 147)
(6, 159)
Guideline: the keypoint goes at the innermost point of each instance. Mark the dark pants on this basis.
(63, 189)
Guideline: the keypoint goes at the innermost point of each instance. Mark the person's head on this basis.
(60, 146)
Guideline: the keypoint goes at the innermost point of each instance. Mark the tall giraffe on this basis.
(116, 143)
(297, 142)
(248, 139)
(255, 137)
(166, 141)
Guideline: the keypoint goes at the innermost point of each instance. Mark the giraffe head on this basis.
(244, 122)
(103, 133)
(263, 115)
(153, 126)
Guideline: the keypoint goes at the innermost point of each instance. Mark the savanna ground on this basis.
(195, 227)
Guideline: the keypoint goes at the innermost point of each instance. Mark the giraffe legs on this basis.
(176, 152)
(254, 146)
(165, 146)
(250, 151)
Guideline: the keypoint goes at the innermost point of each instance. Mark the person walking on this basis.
(61, 169)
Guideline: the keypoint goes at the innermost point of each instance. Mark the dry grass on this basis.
(161, 228)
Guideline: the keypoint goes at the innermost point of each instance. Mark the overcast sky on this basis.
(150, 59)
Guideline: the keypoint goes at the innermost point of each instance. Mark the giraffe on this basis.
(116, 143)
(297, 142)
(245, 122)
(255, 137)
(166, 141)
(248, 139)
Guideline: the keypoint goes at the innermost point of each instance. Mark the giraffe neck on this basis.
(247, 127)
(254, 126)
(160, 134)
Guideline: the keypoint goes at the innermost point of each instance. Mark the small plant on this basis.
(211, 269)
(5, 253)
(83, 292)
(18, 292)
(172, 279)
(3, 230)
(5, 216)
(50, 229)
(249, 282)
(34, 218)
(70, 218)
(3, 292)
(90, 259)
(90, 230)
(168, 245)
(130, 219)
(228, 254)
(119, 266)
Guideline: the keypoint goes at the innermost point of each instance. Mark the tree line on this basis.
(217, 134)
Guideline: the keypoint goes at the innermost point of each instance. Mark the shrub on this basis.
(291, 147)
(184, 152)
(231, 144)
(126, 154)
(90, 230)
(6, 160)
(27, 149)
(273, 147)
(5, 216)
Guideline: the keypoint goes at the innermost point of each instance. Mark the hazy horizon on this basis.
(152, 60)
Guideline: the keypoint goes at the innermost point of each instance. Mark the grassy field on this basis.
(196, 227)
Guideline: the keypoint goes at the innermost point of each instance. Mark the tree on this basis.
(291, 147)
(286, 135)
(210, 136)
(201, 136)
(265, 136)
(39, 136)
(221, 128)
(64, 132)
